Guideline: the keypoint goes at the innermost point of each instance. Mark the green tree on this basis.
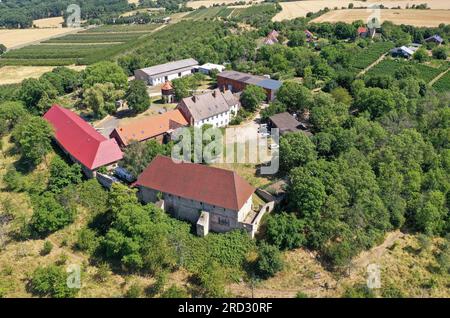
(211, 280)
(306, 194)
(420, 55)
(138, 155)
(32, 91)
(252, 97)
(440, 53)
(62, 174)
(137, 96)
(175, 292)
(341, 95)
(104, 72)
(295, 96)
(49, 215)
(296, 149)
(269, 261)
(285, 231)
(2, 49)
(10, 114)
(33, 139)
(51, 281)
(296, 38)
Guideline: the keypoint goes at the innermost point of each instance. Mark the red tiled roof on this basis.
(81, 140)
(167, 86)
(362, 30)
(219, 187)
(149, 127)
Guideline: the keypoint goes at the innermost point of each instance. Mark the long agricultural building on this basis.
(237, 81)
(82, 142)
(162, 73)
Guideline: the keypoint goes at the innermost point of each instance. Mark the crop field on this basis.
(369, 55)
(122, 28)
(81, 48)
(443, 84)
(388, 67)
(55, 22)
(426, 18)
(296, 9)
(238, 12)
(208, 13)
(210, 3)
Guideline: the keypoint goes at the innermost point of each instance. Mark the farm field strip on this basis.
(369, 55)
(80, 48)
(207, 13)
(443, 83)
(210, 3)
(21, 37)
(296, 9)
(388, 67)
(430, 18)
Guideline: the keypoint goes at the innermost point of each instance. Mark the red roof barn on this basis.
(84, 144)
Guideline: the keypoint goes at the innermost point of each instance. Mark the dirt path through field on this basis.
(434, 80)
(373, 64)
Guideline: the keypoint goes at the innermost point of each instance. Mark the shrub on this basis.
(103, 272)
(135, 291)
(175, 292)
(358, 291)
(51, 281)
(87, 240)
(285, 231)
(269, 261)
(47, 248)
(49, 215)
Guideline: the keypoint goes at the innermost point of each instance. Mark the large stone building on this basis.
(152, 127)
(215, 108)
(216, 199)
(82, 142)
(237, 81)
(162, 73)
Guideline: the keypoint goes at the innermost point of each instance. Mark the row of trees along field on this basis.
(20, 14)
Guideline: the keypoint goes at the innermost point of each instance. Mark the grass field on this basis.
(82, 48)
(295, 9)
(427, 18)
(389, 66)
(16, 74)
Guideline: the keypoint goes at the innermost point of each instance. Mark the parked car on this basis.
(124, 175)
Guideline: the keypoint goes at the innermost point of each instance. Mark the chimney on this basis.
(194, 99)
(214, 93)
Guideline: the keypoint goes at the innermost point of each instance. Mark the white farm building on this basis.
(162, 73)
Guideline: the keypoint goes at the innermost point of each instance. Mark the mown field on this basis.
(388, 67)
(207, 13)
(82, 48)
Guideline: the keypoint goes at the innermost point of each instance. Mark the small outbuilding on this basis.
(435, 39)
(286, 123)
(167, 92)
